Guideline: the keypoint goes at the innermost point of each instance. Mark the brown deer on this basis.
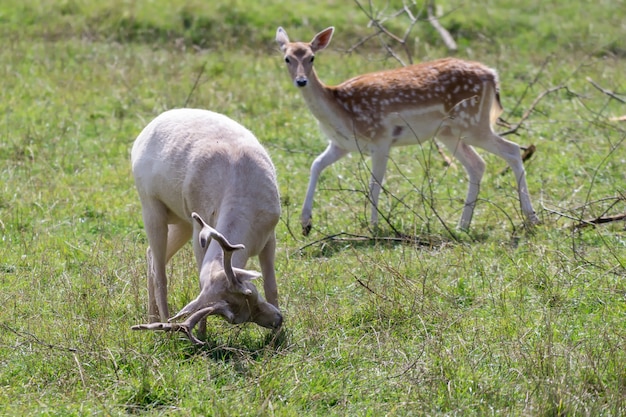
(455, 100)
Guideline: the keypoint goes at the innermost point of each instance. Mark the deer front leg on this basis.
(379, 166)
(474, 167)
(155, 223)
(266, 259)
(331, 155)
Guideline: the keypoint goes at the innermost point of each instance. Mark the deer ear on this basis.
(241, 277)
(246, 274)
(322, 39)
(281, 38)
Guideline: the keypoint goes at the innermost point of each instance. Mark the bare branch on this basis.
(528, 111)
(349, 237)
(32, 338)
(195, 84)
(364, 285)
(607, 92)
(599, 220)
(381, 29)
(443, 32)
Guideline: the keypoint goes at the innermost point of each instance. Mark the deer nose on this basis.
(279, 321)
(301, 81)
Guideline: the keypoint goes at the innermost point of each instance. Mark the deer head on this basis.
(227, 292)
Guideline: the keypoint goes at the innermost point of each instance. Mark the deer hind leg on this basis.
(510, 152)
(331, 155)
(474, 166)
(177, 235)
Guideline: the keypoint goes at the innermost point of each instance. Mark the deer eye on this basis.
(312, 58)
(287, 59)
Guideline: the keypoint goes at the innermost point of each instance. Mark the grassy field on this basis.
(497, 321)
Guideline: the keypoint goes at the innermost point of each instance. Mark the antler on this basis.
(206, 234)
(187, 326)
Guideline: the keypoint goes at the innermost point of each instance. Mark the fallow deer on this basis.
(195, 168)
(455, 100)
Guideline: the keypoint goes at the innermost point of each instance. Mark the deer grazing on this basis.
(195, 168)
(454, 100)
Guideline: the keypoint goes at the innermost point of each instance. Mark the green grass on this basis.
(500, 321)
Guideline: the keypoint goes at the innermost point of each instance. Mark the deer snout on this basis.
(278, 322)
(301, 81)
(269, 317)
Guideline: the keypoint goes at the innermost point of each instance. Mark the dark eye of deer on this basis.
(312, 58)
(287, 59)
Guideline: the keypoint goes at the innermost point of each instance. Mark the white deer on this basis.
(455, 100)
(193, 168)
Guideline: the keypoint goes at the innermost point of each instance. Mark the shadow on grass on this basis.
(240, 346)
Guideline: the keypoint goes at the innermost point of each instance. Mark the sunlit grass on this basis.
(500, 320)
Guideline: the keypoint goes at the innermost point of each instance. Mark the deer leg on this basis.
(475, 167)
(379, 166)
(510, 152)
(331, 155)
(177, 235)
(155, 223)
(266, 259)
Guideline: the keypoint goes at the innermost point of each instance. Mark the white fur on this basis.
(190, 160)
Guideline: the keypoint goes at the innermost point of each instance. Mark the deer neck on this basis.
(320, 101)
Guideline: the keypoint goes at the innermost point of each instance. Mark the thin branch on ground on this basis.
(34, 339)
(599, 220)
(364, 285)
(602, 218)
(382, 30)
(529, 86)
(349, 237)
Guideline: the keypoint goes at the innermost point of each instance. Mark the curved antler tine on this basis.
(185, 327)
(214, 234)
(171, 327)
(230, 273)
(152, 326)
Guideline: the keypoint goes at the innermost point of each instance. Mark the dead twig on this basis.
(195, 84)
(528, 111)
(364, 285)
(599, 220)
(381, 29)
(348, 237)
(443, 32)
(607, 92)
(34, 339)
